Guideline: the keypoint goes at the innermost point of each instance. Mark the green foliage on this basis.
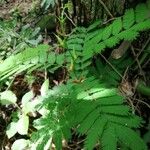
(47, 3)
(20, 123)
(77, 62)
(101, 110)
(107, 74)
(103, 116)
(7, 98)
(147, 134)
(122, 28)
(84, 102)
(82, 45)
(12, 41)
(20, 144)
(31, 58)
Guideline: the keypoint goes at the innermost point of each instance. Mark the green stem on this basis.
(143, 89)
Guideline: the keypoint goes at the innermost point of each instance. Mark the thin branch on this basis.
(132, 106)
(146, 43)
(120, 51)
(70, 19)
(112, 67)
(105, 7)
(143, 102)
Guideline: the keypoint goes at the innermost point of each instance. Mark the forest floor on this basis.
(20, 86)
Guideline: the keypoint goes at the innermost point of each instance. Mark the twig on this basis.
(143, 102)
(148, 61)
(105, 7)
(111, 19)
(11, 83)
(112, 67)
(146, 43)
(70, 19)
(125, 73)
(132, 106)
(142, 88)
(136, 59)
(120, 51)
(138, 63)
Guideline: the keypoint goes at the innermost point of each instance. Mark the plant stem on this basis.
(105, 7)
(143, 89)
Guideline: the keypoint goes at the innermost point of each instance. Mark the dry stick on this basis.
(111, 19)
(112, 66)
(136, 106)
(143, 102)
(146, 62)
(12, 80)
(70, 19)
(138, 63)
(136, 59)
(120, 51)
(125, 73)
(132, 106)
(105, 7)
(146, 43)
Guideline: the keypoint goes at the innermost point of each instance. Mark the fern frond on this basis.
(107, 32)
(94, 25)
(99, 109)
(117, 26)
(106, 73)
(97, 117)
(75, 53)
(54, 125)
(84, 126)
(130, 121)
(128, 19)
(109, 138)
(121, 110)
(95, 133)
(142, 13)
(123, 28)
(28, 59)
(130, 138)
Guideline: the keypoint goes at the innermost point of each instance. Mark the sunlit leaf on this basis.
(20, 144)
(7, 97)
(27, 97)
(23, 124)
(45, 87)
(11, 130)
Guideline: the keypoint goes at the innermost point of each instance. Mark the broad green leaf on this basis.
(20, 144)
(47, 3)
(30, 106)
(44, 88)
(27, 97)
(23, 124)
(32, 42)
(7, 97)
(11, 130)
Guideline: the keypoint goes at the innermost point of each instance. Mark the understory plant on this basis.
(85, 102)
(13, 41)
